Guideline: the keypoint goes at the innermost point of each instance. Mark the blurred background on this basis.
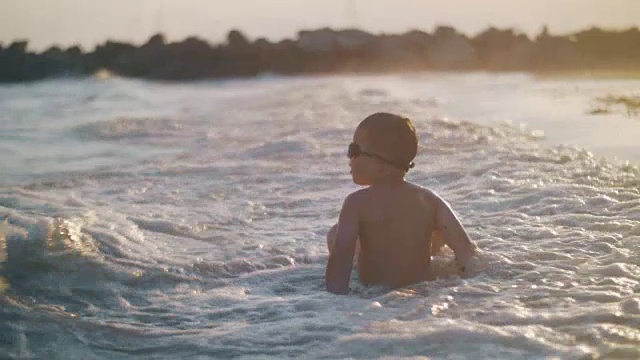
(89, 22)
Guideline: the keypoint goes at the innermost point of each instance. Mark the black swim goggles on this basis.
(354, 151)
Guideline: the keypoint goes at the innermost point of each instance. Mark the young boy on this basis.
(397, 225)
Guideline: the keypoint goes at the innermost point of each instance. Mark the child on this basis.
(397, 225)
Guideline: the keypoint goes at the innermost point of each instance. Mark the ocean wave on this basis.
(282, 150)
(128, 128)
(220, 250)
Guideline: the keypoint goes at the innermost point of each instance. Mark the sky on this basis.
(89, 22)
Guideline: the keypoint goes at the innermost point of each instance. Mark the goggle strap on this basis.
(355, 151)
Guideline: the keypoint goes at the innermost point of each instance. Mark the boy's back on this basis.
(396, 223)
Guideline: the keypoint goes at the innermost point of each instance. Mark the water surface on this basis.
(159, 220)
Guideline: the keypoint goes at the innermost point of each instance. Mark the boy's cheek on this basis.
(355, 177)
(359, 179)
(360, 172)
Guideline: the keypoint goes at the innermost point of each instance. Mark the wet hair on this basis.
(392, 137)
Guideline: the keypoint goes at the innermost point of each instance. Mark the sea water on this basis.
(188, 220)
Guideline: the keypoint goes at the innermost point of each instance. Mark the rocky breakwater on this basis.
(331, 51)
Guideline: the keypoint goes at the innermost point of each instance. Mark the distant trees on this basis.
(326, 50)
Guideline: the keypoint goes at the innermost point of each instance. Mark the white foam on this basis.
(210, 226)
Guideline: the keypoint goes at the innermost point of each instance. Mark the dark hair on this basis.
(391, 136)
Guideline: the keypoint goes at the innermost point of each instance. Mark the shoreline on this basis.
(591, 53)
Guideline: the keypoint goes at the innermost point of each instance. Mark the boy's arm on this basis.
(454, 234)
(340, 260)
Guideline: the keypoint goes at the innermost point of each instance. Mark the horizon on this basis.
(46, 25)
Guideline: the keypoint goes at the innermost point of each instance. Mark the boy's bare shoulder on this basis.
(358, 195)
(426, 193)
(370, 196)
(372, 190)
(356, 199)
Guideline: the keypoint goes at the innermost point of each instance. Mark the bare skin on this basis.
(397, 226)
(437, 243)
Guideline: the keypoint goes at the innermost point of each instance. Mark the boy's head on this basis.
(389, 138)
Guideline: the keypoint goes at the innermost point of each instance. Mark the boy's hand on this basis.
(437, 244)
(340, 260)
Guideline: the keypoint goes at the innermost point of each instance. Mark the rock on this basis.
(237, 40)
(451, 51)
(329, 51)
(503, 50)
(554, 53)
(326, 40)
